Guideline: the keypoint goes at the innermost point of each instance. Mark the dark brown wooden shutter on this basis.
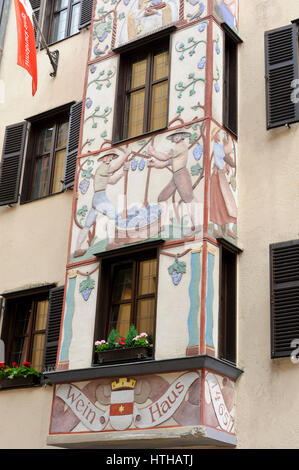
(73, 144)
(11, 163)
(284, 281)
(53, 327)
(36, 7)
(281, 69)
(86, 13)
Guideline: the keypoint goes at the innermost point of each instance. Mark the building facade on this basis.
(130, 171)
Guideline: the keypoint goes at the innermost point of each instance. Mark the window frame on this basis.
(230, 80)
(227, 341)
(55, 117)
(50, 17)
(52, 154)
(147, 48)
(139, 253)
(9, 319)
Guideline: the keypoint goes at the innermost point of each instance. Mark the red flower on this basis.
(116, 339)
(2, 365)
(14, 364)
(27, 364)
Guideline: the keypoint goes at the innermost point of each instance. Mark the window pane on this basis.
(159, 105)
(145, 316)
(75, 18)
(138, 74)
(41, 315)
(122, 284)
(62, 135)
(45, 140)
(22, 315)
(160, 66)
(147, 277)
(121, 315)
(60, 4)
(59, 26)
(41, 176)
(17, 350)
(136, 112)
(38, 352)
(58, 171)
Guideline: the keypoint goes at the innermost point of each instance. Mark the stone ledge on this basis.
(144, 368)
(185, 436)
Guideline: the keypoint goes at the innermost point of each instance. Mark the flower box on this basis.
(18, 382)
(122, 355)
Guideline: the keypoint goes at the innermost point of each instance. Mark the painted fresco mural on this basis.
(188, 75)
(195, 9)
(223, 206)
(75, 348)
(227, 11)
(178, 185)
(120, 21)
(219, 402)
(217, 90)
(145, 402)
(140, 191)
(99, 105)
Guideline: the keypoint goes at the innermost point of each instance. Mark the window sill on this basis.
(20, 382)
(140, 136)
(43, 197)
(143, 367)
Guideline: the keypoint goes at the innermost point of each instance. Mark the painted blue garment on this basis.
(227, 15)
(219, 155)
(68, 320)
(209, 301)
(194, 295)
(102, 205)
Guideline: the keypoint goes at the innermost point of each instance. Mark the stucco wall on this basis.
(267, 405)
(34, 236)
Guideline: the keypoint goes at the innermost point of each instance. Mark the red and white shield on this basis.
(121, 409)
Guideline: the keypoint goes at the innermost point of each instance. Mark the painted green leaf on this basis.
(87, 284)
(196, 169)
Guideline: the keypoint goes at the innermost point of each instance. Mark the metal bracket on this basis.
(54, 57)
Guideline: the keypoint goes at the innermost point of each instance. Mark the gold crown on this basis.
(123, 383)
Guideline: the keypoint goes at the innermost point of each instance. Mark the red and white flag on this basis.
(26, 40)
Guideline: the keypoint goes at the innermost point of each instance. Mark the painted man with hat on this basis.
(223, 207)
(181, 180)
(110, 171)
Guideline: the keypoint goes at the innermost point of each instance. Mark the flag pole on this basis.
(53, 56)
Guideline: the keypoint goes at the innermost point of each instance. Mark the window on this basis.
(48, 160)
(64, 21)
(284, 295)
(31, 326)
(227, 344)
(230, 91)
(281, 62)
(143, 91)
(52, 148)
(46, 157)
(128, 293)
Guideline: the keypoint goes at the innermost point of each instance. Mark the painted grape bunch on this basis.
(197, 152)
(176, 271)
(201, 64)
(84, 185)
(86, 288)
(88, 103)
(141, 164)
(134, 164)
